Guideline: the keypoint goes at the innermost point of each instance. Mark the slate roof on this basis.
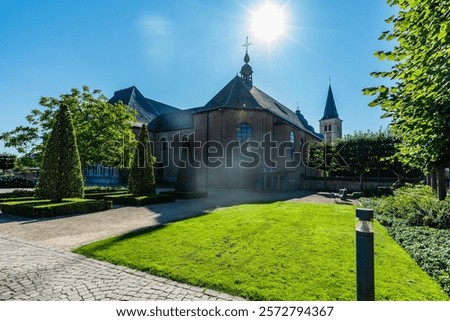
(147, 109)
(237, 95)
(330, 111)
(178, 120)
(305, 123)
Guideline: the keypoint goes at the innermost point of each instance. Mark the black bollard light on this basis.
(365, 276)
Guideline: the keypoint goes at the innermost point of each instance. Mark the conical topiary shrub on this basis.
(60, 174)
(141, 180)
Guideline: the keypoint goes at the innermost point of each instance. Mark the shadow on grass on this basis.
(106, 244)
(185, 208)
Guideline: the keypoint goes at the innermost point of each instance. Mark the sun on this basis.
(268, 22)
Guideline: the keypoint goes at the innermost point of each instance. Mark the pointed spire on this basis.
(330, 106)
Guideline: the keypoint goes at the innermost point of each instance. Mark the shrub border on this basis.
(15, 199)
(43, 208)
(130, 199)
(102, 195)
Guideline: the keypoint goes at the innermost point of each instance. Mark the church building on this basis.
(241, 138)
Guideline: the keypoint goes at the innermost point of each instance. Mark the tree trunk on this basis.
(433, 180)
(361, 181)
(441, 182)
(399, 180)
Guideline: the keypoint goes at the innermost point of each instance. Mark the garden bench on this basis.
(343, 194)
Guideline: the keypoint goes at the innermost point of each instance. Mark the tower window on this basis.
(243, 132)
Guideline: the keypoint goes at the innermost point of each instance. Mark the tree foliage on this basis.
(359, 153)
(418, 99)
(103, 130)
(60, 174)
(368, 151)
(141, 180)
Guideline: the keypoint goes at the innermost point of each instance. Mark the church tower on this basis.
(246, 70)
(330, 124)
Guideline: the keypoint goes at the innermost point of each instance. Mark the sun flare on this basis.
(268, 22)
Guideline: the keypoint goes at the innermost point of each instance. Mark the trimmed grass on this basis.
(278, 251)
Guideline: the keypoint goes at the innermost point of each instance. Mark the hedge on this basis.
(103, 189)
(186, 195)
(420, 223)
(18, 193)
(101, 195)
(428, 247)
(130, 199)
(45, 208)
(15, 199)
(16, 183)
(414, 206)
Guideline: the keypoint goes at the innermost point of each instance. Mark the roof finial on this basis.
(329, 80)
(246, 44)
(298, 106)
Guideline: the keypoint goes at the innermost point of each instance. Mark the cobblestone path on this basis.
(29, 271)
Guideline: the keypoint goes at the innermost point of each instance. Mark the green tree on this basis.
(141, 180)
(359, 153)
(104, 130)
(366, 152)
(324, 156)
(418, 101)
(60, 174)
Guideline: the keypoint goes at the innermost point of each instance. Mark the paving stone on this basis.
(32, 271)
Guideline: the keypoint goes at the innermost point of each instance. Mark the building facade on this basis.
(241, 138)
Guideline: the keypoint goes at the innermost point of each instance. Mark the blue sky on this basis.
(182, 52)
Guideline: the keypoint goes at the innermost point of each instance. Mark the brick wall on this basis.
(220, 126)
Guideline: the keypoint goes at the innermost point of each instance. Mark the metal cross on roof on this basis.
(246, 45)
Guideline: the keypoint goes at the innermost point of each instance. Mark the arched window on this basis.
(243, 132)
(292, 140)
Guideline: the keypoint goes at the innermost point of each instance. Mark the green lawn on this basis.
(278, 251)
